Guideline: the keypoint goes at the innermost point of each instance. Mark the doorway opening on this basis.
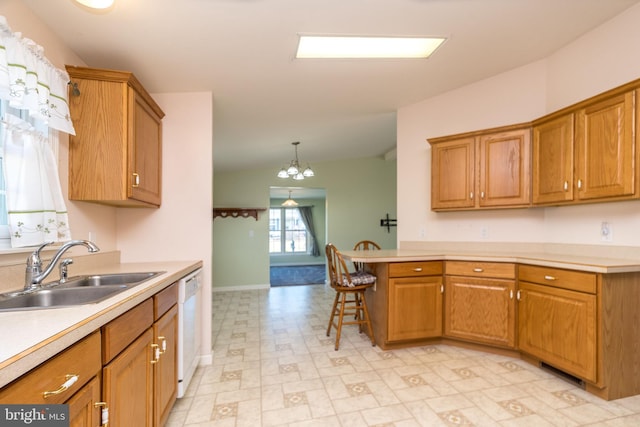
(297, 236)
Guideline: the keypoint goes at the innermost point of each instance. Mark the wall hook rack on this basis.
(237, 212)
(388, 222)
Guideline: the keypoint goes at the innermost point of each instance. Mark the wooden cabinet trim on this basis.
(123, 330)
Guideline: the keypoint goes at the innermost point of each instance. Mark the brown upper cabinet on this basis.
(485, 169)
(115, 158)
(586, 153)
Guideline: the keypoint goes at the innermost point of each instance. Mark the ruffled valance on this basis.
(29, 81)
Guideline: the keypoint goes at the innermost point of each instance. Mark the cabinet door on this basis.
(415, 308)
(605, 149)
(128, 384)
(480, 310)
(505, 169)
(559, 327)
(145, 154)
(166, 370)
(97, 152)
(553, 148)
(453, 174)
(83, 411)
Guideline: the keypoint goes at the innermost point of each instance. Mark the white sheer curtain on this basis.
(36, 211)
(35, 205)
(29, 81)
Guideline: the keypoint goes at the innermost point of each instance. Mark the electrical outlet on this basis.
(606, 232)
(484, 232)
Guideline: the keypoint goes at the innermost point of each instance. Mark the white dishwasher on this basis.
(189, 329)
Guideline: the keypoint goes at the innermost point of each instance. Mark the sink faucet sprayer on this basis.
(34, 274)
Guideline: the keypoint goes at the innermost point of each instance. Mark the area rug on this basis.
(297, 275)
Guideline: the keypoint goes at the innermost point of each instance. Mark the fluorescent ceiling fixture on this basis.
(367, 47)
(96, 4)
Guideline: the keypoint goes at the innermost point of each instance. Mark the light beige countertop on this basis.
(30, 337)
(590, 263)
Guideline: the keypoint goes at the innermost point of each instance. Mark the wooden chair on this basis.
(364, 245)
(349, 300)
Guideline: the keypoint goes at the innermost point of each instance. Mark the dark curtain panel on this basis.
(306, 212)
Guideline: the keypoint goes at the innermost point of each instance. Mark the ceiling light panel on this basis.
(367, 47)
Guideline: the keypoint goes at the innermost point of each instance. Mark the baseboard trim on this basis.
(239, 288)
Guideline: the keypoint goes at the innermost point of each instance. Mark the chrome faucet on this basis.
(34, 274)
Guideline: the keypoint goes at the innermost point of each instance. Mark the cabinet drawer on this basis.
(409, 269)
(566, 279)
(164, 300)
(496, 270)
(82, 359)
(121, 331)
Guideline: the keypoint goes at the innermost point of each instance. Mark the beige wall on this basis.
(84, 218)
(182, 228)
(600, 60)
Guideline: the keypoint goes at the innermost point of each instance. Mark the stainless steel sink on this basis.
(75, 291)
(48, 298)
(129, 279)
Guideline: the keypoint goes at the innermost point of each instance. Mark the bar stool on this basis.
(349, 300)
(365, 245)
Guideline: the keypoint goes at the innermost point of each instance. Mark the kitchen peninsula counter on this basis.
(590, 263)
(31, 337)
(568, 308)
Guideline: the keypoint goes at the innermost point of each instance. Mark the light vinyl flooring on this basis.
(273, 365)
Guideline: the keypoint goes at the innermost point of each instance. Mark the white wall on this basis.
(600, 60)
(182, 228)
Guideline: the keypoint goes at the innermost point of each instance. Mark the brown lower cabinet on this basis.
(140, 380)
(581, 324)
(85, 406)
(479, 302)
(128, 368)
(406, 304)
(71, 377)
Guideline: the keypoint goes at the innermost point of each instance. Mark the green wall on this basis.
(359, 192)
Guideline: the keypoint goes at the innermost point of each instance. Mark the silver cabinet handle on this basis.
(579, 184)
(471, 195)
(136, 179)
(482, 194)
(566, 186)
(550, 278)
(417, 269)
(70, 380)
(518, 295)
(478, 270)
(442, 289)
(510, 293)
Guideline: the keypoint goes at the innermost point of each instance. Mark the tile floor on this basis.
(274, 366)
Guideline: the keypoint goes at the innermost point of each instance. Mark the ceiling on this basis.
(264, 99)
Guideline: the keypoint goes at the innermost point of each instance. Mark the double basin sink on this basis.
(74, 291)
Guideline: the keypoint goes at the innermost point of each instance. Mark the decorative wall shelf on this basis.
(237, 212)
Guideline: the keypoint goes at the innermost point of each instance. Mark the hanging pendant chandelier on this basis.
(290, 203)
(294, 170)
